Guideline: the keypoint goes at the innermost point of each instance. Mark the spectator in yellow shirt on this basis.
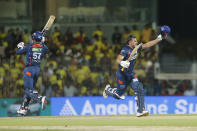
(146, 33)
(56, 34)
(98, 32)
(26, 36)
(2, 33)
(80, 36)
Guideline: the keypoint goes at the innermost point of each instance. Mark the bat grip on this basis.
(44, 32)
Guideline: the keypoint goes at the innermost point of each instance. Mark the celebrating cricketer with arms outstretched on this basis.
(126, 76)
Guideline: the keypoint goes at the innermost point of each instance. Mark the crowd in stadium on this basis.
(80, 65)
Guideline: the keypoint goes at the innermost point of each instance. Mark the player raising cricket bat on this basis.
(34, 53)
(126, 76)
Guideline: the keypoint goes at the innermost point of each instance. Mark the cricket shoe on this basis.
(104, 93)
(122, 97)
(144, 113)
(44, 102)
(22, 111)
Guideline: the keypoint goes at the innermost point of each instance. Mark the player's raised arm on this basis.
(164, 30)
(21, 48)
(152, 43)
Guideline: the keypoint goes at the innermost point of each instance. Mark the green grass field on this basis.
(101, 123)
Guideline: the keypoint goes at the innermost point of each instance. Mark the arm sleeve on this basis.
(22, 51)
(123, 52)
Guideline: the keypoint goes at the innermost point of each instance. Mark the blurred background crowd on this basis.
(81, 65)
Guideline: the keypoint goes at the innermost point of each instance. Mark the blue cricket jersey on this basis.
(34, 53)
(126, 51)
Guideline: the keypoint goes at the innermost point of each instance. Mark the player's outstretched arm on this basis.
(152, 43)
(164, 30)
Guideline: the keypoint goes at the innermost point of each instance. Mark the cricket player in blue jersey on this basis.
(127, 76)
(34, 54)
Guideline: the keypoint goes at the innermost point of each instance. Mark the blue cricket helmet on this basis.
(165, 29)
(37, 36)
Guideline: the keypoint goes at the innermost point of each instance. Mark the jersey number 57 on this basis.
(36, 55)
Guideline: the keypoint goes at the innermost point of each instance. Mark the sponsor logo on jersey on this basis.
(37, 49)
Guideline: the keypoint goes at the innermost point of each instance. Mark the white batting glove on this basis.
(125, 64)
(159, 37)
(20, 45)
(43, 39)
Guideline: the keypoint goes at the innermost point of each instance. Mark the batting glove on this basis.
(43, 39)
(159, 37)
(125, 64)
(20, 45)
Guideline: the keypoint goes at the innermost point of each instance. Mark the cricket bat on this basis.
(132, 54)
(48, 24)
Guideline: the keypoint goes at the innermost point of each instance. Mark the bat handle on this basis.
(122, 69)
(44, 32)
